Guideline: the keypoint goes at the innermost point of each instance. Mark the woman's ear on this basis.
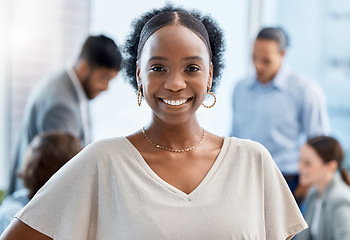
(333, 165)
(138, 72)
(210, 78)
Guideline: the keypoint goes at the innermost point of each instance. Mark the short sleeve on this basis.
(283, 218)
(64, 208)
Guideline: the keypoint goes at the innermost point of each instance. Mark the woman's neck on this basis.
(322, 185)
(174, 136)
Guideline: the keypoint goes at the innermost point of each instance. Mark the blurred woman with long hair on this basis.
(327, 205)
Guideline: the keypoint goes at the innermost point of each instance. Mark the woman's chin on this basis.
(304, 181)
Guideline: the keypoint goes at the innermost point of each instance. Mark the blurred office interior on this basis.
(39, 37)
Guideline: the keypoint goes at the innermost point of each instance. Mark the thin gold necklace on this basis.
(173, 150)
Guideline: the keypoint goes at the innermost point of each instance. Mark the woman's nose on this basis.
(175, 82)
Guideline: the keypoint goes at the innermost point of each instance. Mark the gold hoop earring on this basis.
(213, 102)
(139, 96)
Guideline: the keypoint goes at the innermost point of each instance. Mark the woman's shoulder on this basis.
(115, 143)
(246, 150)
(339, 193)
(246, 145)
(101, 150)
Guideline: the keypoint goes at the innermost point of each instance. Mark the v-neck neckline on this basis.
(172, 188)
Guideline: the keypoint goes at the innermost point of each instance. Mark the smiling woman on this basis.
(172, 179)
(171, 69)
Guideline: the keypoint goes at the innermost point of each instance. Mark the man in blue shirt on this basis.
(277, 107)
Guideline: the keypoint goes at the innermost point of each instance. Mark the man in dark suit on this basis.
(60, 102)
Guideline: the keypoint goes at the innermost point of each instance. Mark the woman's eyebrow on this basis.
(157, 58)
(193, 58)
(184, 59)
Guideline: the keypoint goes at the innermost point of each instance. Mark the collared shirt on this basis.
(83, 104)
(280, 115)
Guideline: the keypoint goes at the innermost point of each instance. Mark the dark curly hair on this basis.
(193, 20)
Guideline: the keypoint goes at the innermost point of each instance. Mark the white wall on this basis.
(116, 112)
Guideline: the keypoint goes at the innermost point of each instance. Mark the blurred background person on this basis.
(278, 107)
(60, 102)
(327, 205)
(46, 154)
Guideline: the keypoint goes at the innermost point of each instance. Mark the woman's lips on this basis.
(175, 102)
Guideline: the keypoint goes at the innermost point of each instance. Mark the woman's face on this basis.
(311, 167)
(175, 72)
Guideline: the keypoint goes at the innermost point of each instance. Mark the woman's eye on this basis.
(193, 69)
(157, 68)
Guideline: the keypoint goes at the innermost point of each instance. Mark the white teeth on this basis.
(175, 102)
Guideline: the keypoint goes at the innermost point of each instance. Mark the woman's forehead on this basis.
(175, 30)
(310, 152)
(174, 35)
